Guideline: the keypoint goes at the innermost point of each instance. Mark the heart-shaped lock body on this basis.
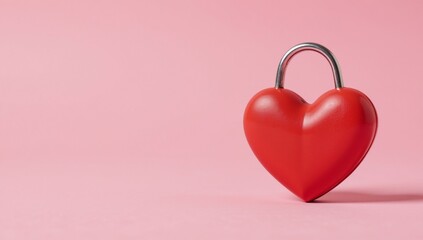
(310, 148)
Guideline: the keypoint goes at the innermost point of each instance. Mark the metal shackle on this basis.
(305, 47)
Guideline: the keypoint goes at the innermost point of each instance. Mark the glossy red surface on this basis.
(310, 148)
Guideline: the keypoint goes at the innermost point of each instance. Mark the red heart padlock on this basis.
(310, 148)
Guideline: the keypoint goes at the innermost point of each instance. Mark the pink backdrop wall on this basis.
(122, 119)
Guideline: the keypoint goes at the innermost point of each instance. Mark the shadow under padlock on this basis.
(310, 148)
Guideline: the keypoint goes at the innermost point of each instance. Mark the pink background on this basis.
(123, 119)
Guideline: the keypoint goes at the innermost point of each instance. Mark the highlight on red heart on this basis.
(310, 148)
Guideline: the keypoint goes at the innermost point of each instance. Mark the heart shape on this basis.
(310, 148)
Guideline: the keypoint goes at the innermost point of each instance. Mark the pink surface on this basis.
(123, 119)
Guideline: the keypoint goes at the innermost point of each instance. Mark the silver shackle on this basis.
(304, 47)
